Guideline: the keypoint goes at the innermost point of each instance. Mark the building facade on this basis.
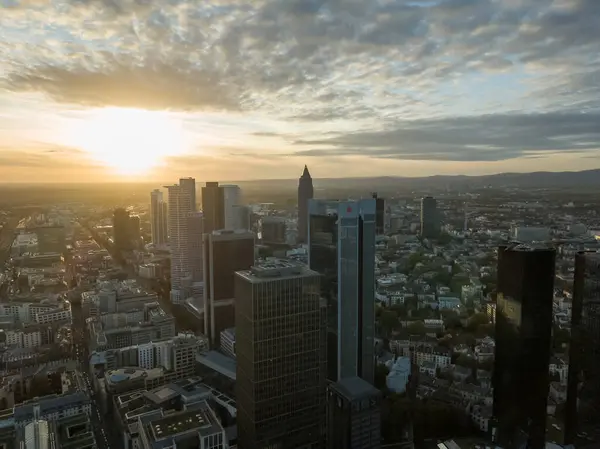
(523, 341)
(305, 193)
(196, 238)
(213, 206)
(430, 222)
(225, 252)
(232, 197)
(158, 218)
(280, 386)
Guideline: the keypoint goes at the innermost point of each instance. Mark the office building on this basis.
(228, 342)
(241, 217)
(158, 218)
(430, 223)
(342, 249)
(225, 252)
(180, 208)
(353, 414)
(523, 342)
(272, 230)
(379, 214)
(189, 185)
(305, 193)
(121, 229)
(197, 426)
(134, 230)
(232, 196)
(66, 432)
(213, 206)
(50, 238)
(280, 380)
(582, 414)
(195, 240)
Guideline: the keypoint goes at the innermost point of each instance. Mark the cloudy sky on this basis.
(229, 89)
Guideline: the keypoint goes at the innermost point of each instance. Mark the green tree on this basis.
(389, 320)
(381, 372)
(417, 328)
(451, 319)
(475, 320)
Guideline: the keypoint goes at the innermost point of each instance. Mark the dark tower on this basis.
(305, 193)
(121, 229)
(213, 206)
(523, 340)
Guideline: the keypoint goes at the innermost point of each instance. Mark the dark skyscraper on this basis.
(121, 229)
(213, 206)
(582, 414)
(523, 341)
(158, 218)
(430, 223)
(379, 214)
(280, 348)
(225, 252)
(342, 249)
(305, 193)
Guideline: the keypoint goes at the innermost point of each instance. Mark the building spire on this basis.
(305, 173)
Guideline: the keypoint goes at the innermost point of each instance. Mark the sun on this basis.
(130, 141)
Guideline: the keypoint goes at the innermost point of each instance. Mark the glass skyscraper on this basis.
(342, 250)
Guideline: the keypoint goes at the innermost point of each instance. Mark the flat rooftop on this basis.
(354, 388)
(276, 269)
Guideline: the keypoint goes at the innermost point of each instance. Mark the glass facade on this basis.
(523, 341)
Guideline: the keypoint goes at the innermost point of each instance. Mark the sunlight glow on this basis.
(130, 141)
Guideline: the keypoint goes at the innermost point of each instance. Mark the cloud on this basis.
(486, 138)
(390, 72)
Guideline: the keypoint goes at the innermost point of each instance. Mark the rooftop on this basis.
(354, 388)
(275, 269)
(218, 362)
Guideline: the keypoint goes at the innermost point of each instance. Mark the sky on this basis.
(107, 90)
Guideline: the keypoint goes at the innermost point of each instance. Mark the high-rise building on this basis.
(231, 198)
(213, 206)
(241, 217)
(379, 214)
(158, 218)
(280, 379)
(196, 255)
(189, 184)
(523, 341)
(430, 223)
(582, 414)
(225, 252)
(121, 229)
(353, 414)
(273, 230)
(134, 230)
(305, 193)
(180, 207)
(342, 249)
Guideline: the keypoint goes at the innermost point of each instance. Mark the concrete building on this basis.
(158, 218)
(225, 252)
(66, 432)
(272, 230)
(353, 415)
(528, 234)
(189, 185)
(228, 342)
(232, 197)
(180, 207)
(196, 255)
(280, 322)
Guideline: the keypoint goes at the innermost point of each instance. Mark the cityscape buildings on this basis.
(195, 240)
(305, 193)
(158, 217)
(342, 248)
(189, 185)
(231, 199)
(430, 224)
(524, 308)
(213, 206)
(121, 229)
(225, 252)
(280, 330)
(379, 214)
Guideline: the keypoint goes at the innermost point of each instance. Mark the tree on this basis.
(389, 320)
(451, 319)
(466, 361)
(475, 320)
(381, 372)
(417, 328)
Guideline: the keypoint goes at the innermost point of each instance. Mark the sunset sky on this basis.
(94, 90)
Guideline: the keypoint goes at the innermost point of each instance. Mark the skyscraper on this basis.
(305, 193)
(225, 252)
(231, 199)
(121, 229)
(342, 249)
(213, 206)
(158, 218)
(180, 207)
(582, 414)
(189, 184)
(280, 347)
(379, 214)
(430, 223)
(196, 254)
(523, 341)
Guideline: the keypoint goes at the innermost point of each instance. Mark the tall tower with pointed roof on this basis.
(305, 193)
